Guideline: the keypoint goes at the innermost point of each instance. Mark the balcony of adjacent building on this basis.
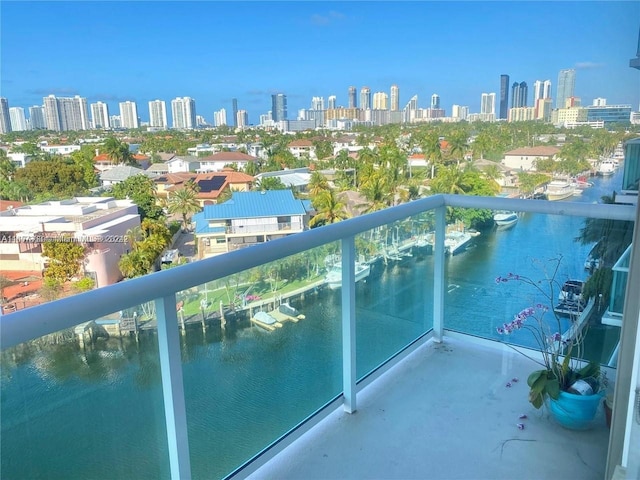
(400, 374)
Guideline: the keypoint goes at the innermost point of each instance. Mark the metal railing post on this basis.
(173, 387)
(349, 324)
(438, 275)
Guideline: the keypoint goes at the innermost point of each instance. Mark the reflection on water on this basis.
(73, 413)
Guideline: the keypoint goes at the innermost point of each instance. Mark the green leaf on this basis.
(552, 388)
(534, 376)
(591, 370)
(535, 399)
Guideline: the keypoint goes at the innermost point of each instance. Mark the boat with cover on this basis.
(504, 218)
(571, 298)
(456, 242)
(334, 276)
(559, 190)
(607, 167)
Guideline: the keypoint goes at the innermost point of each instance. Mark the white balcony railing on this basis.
(162, 287)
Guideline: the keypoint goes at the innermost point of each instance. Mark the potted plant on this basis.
(571, 388)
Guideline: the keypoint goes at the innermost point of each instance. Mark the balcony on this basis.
(194, 389)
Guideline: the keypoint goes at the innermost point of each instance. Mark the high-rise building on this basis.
(541, 89)
(380, 101)
(128, 115)
(36, 117)
(395, 98)
(353, 99)
(100, 115)
(17, 118)
(435, 101)
(220, 118)
(460, 112)
(504, 96)
(66, 113)
(234, 106)
(519, 93)
(599, 102)
(331, 102)
(183, 112)
(317, 103)
(279, 107)
(566, 86)
(158, 114)
(243, 118)
(365, 98)
(488, 104)
(5, 119)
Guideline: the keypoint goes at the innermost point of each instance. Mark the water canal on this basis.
(66, 413)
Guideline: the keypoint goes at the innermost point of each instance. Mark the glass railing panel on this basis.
(394, 301)
(261, 352)
(533, 246)
(85, 403)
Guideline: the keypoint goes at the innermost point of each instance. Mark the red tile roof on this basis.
(301, 142)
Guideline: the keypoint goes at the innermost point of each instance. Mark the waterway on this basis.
(98, 413)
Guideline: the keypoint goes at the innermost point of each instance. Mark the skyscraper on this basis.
(317, 103)
(243, 118)
(128, 115)
(66, 113)
(566, 86)
(435, 101)
(504, 96)
(234, 106)
(5, 120)
(331, 102)
(353, 100)
(365, 98)
(279, 107)
(519, 93)
(36, 117)
(158, 114)
(183, 112)
(100, 115)
(17, 118)
(488, 104)
(395, 98)
(220, 118)
(541, 90)
(380, 101)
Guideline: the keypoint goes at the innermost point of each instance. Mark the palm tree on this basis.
(185, 202)
(317, 184)
(376, 190)
(329, 209)
(430, 145)
(118, 152)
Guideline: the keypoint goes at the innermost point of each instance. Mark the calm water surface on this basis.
(66, 413)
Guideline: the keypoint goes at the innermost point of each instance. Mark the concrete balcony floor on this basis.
(445, 412)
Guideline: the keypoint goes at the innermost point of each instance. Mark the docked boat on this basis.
(456, 242)
(334, 276)
(559, 190)
(571, 300)
(266, 321)
(607, 167)
(505, 219)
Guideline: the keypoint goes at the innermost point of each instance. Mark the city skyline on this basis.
(330, 66)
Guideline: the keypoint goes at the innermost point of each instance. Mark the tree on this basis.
(270, 183)
(329, 209)
(185, 202)
(47, 179)
(317, 184)
(118, 152)
(147, 243)
(65, 257)
(141, 190)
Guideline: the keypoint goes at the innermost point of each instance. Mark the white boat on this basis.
(559, 190)
(334, 276)
(571, 299)
(607, 167)
(504, 219)
(456, 242)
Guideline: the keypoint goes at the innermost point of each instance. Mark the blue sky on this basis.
(214, 51)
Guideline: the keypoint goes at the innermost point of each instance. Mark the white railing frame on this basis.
(161, 287)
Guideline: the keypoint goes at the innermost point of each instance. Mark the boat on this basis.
(334, 276)
(559, 190)
(571, 300)
(456, 242)
(607, 167)
(504, 219)
(266, 321)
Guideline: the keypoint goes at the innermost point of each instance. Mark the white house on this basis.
(523, 158)
(183, 164)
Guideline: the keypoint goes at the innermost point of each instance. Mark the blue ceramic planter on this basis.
(575, 412)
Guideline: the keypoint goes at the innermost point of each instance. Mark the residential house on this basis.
(60, 149)
(158, 168)
(297, 179)
(98, 223)
(218, 161)
(19, 159)
(183, 163)
(302, 148)
(524, 158)
(120, 173)
(248, 218)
